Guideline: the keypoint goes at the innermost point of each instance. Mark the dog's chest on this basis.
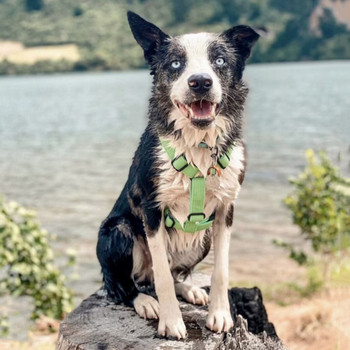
(174, 186)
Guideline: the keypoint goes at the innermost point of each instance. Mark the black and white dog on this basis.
(184, 179)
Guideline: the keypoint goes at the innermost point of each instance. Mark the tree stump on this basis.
(99, 324)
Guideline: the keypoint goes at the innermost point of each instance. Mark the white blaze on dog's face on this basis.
(197, 92)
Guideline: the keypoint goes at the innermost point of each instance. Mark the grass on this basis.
(285, 294)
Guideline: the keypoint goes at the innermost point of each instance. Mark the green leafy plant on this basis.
(4, 326)
(320, 205)
(27, 262)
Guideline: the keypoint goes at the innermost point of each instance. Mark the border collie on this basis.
(184, 178)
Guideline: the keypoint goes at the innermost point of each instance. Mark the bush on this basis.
(320, 206)
(34, 5)
(27, 263)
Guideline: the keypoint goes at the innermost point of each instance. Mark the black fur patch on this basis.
(229, 216)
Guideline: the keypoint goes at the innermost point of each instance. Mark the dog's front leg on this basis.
(219, 316)
(170, 318)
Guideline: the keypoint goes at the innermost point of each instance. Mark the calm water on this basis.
(66, 143)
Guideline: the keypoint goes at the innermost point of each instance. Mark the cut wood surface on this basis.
(100, 324)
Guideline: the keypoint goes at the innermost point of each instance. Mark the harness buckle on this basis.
(169, 221)
(179, 163)
(196, 217)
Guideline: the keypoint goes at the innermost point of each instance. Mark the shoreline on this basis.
(48, 67)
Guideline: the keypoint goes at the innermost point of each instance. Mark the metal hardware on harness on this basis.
(196, 220)
(214, 170)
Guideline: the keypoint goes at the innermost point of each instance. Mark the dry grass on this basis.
(319, 323)
(15, 52)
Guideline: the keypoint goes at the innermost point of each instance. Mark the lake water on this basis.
(66, 143)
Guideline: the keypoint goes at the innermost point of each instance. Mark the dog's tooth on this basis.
(213, 108)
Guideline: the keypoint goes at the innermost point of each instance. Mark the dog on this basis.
(185, 176)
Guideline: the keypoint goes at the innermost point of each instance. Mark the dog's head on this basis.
(197, 77)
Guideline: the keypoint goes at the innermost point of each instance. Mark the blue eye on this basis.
(219, 61)
(176, 64)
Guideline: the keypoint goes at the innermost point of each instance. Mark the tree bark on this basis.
(99, 324)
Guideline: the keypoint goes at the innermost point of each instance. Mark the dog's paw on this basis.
(146, 306)
(172, 325)
(219, 320)
(193, 294)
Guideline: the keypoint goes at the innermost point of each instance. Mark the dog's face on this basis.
(194, 74)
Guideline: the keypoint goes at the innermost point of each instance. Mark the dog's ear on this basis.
(242, 37)
(149, 36)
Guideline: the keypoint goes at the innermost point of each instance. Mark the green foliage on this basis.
(314, 283)
(34, 5)
(299, 256)
(4, 326)
(99, 28)
(27, 262)
(320, 205)
(294, 6)
(297, 42)
(329, 26)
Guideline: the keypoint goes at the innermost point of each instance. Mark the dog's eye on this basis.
(219, 61)
(176, 64)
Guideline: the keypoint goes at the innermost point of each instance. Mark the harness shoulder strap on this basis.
(224, 160)
(179, 163)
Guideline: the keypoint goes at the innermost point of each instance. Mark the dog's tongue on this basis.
(201, 108)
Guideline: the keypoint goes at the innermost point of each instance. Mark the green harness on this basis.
(196, 220)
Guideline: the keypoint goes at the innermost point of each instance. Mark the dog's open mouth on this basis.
(201, 113)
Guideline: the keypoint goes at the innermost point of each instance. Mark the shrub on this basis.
(320, 205)
(27, 262)
(34, 5)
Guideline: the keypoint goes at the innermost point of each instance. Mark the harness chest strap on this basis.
(196, 220)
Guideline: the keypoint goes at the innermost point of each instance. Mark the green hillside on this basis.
(100, 31)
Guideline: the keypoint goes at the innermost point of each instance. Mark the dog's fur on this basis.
(134, 246)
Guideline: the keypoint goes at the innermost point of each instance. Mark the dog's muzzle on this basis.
(201, 112)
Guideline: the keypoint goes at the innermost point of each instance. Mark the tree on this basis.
(329, 26)
(34, 5)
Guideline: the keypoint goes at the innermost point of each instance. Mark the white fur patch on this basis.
(174, 186)
(146, 306)
(174, 190)
(219, 316)
(170, 318)
(196, 47)
(192, 294)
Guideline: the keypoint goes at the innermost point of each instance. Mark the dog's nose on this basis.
(200, 83)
